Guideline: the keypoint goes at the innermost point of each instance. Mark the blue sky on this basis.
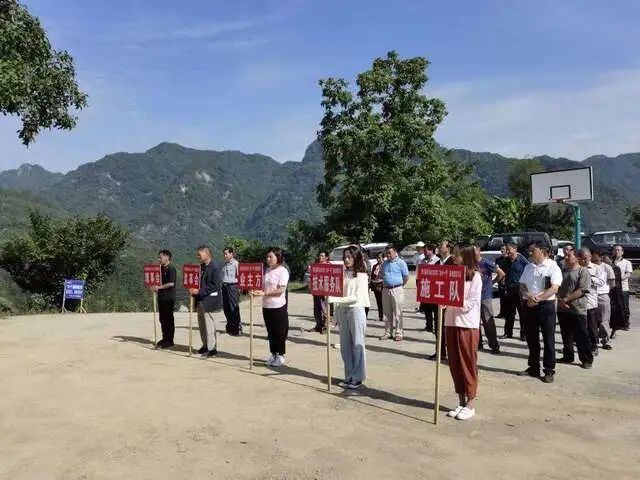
(520, 78)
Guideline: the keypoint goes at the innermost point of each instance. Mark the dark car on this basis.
(603, 242)
(521, 239)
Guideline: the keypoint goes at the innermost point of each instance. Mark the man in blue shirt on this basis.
(512, 300)
(395, 276)
(486, 269)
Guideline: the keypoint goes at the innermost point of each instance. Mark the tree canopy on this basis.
(37, 83)
(85, 248)
(385, 176)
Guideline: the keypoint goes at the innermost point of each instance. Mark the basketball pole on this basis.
(577, 223)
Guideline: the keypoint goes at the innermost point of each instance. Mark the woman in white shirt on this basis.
(351, 317)
(462, 327)
(274, 306)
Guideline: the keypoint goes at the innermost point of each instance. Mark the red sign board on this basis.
(326, 279)
(191, 275)
(440, 284)
(152, 275)
(250, 276)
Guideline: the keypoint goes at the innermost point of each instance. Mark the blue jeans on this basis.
(353, 323)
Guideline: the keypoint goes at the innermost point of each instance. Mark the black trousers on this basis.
(430, 311)
(513, 304)
(573, 328)
(318, 312)
(378, 295)
(277, 322)
(231, 306)
(443, 342)
(593, 322)
(502, 294)
(627, 312)
(167, 323)
(541, 319)
(489, 325)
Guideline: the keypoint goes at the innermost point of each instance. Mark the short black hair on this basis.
(204, 247)
(166, 253)
(279, 254)
(390, 247)
(541, 245)
(511, 245)
(321, 252)
(228, 249)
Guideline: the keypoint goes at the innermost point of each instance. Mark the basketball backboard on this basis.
(573, 184)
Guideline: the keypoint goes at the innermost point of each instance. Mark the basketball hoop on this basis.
(560, 200)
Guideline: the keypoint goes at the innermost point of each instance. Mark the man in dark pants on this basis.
(230, 293)
(430, 310)
(486, 270)
(208, 301)
(626, 269)
(539, 284)
(572, 311)
(503, 263)
(319, 304)
(512, 300)
(166, 299)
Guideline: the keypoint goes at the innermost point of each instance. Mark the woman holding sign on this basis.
(274, 306)
(462, 326)
(352, 318)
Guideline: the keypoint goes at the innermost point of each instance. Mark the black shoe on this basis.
(529, 373)
(500, 315)
(607, 346)
(523, 339)
(212, 353)
(495, 351)
(435, 357)
(506, 336)
(613, 334)
(429, 329)
(548, 378)
(202, 350)
(564, 360)
(167, 345)
(587, 365)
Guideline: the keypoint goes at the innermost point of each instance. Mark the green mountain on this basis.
(28, 177)
(180, 197)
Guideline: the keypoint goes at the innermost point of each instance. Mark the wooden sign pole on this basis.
(436, 406)
(190, 325)
(155, 329)
(328, 344)
(250, 332)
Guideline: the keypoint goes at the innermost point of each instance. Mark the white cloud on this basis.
(574, 121)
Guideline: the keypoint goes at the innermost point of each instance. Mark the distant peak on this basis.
(166, 147)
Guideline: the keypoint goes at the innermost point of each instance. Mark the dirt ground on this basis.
(86, 397)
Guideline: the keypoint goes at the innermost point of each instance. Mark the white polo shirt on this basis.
(534, 275)
(607, 274)
(625, 271)
(597, 280)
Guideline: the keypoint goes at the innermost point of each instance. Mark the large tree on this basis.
(37, 83)
(385, 176)
(50, 252)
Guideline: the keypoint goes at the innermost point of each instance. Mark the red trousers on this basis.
(462, 346)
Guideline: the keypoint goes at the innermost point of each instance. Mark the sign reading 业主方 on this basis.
(73, 289)
(440, 285)
(152, 275)
(250, 276)
(326, 279)
(191, 275)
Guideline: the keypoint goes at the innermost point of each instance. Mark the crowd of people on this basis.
(588, 294)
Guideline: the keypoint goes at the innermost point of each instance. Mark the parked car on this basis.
(521, 239)
(604, 241)
(408, 254)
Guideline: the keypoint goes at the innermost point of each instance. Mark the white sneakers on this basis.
(278, 362)
(461, 413)
(269, 361)
(454, 413)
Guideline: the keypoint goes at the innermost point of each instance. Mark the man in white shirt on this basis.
(598, 280)
(539, 284)
(625, 272)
